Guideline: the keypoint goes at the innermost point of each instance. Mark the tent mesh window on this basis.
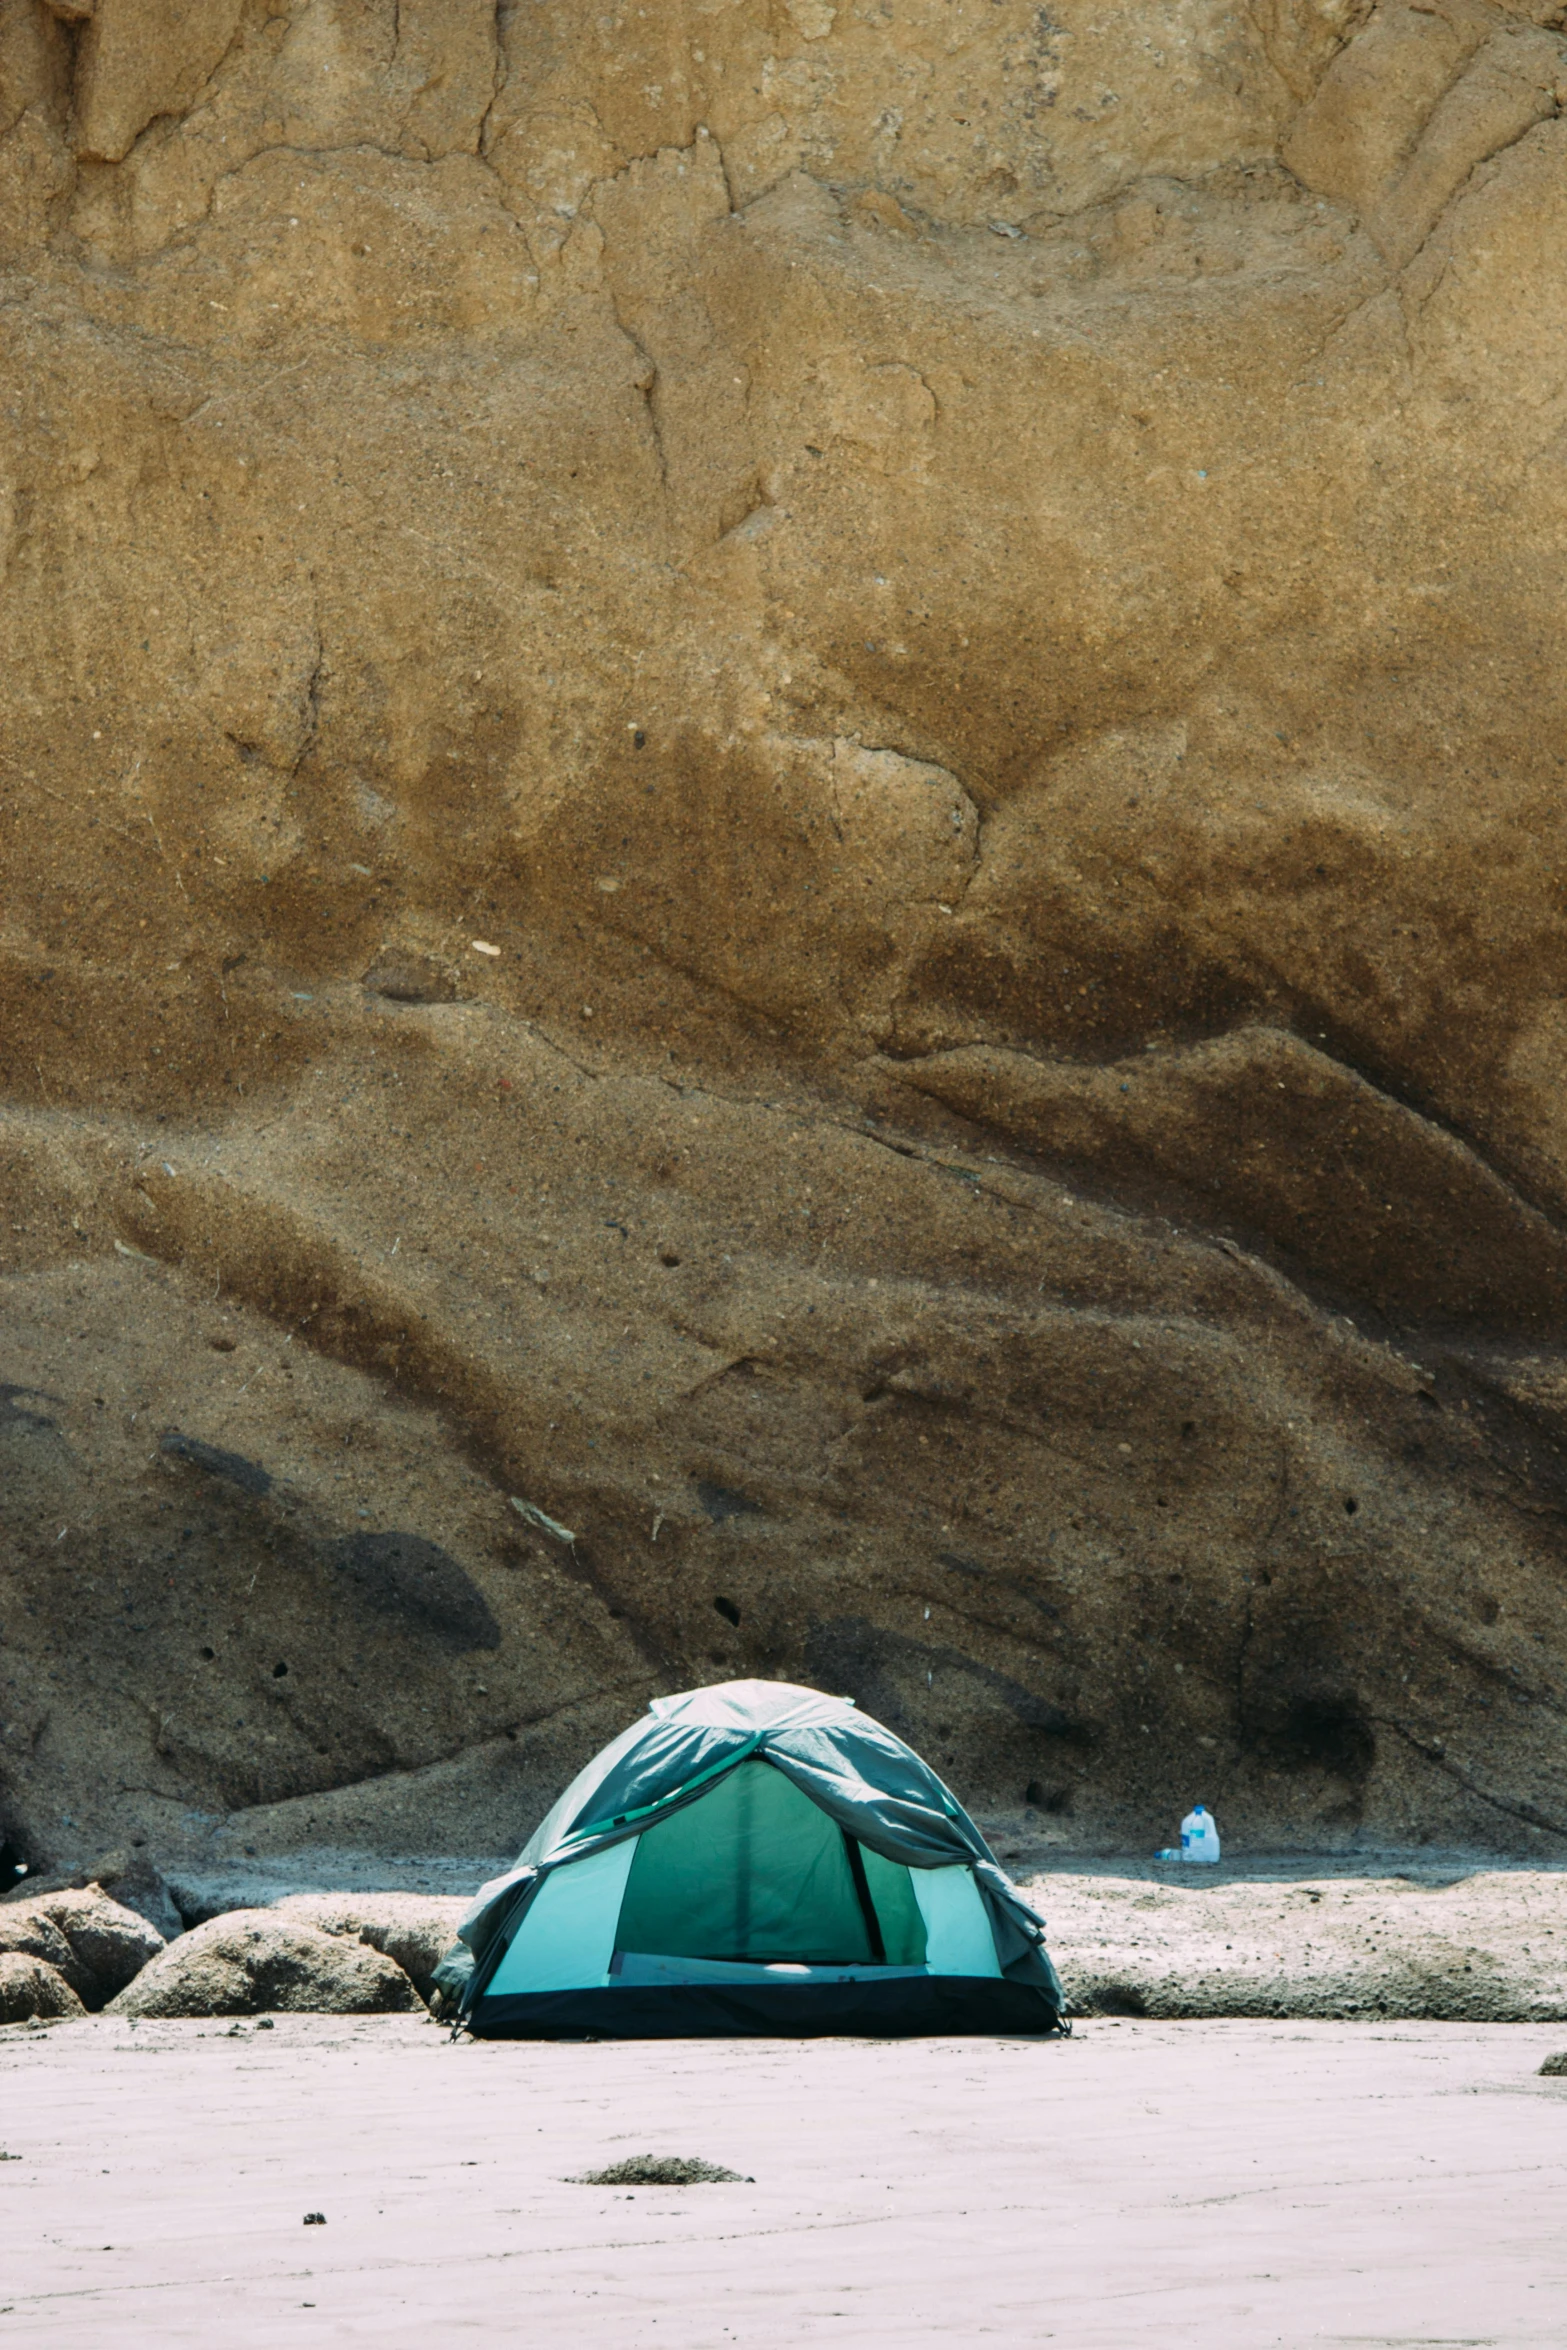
(755, 1873)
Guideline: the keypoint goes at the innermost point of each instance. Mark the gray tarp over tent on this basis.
(753, 1857)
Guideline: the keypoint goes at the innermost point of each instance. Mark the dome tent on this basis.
(752, 1858)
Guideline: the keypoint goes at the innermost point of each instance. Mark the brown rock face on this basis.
(787, 780)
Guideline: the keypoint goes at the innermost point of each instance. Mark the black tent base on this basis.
(917, 2006)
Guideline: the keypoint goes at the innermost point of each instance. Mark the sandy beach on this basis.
(1227, 2184)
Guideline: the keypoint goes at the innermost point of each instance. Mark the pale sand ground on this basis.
(1219, 2185)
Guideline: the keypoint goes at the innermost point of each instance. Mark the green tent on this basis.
(752, 1858)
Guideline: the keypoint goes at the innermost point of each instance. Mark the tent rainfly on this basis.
(752, 1858)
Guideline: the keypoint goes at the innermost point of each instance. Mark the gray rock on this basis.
(414, 1929)
(95, 1944)
(137, 1884)
(31, 1987)
(127, 1877)
(109, 1940)
(252, 1961)
(28, 1933)
(1476, 1946)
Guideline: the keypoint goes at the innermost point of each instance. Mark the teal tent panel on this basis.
(567, 1936)
(635, 1970)
(751, 1871)
(958, 1939)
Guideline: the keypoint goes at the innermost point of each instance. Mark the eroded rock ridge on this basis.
(783, 785)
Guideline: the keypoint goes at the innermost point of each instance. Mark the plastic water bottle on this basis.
(1200, 1836)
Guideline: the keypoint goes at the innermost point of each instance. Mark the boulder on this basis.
(414, 1929)
(136, 1883)
(127, 1877)
(31, 1987)
(111, 1941)
(251, 1962)
(29, 1934)
(96, 1945)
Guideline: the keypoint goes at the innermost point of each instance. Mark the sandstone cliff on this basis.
(787, 778)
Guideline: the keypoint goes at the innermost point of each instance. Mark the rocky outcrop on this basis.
(33, 1990)
(251, 1962)
(785, 780)
(94, 1944)
(1485, 1948)
(129, 1880)
(414, 1930)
